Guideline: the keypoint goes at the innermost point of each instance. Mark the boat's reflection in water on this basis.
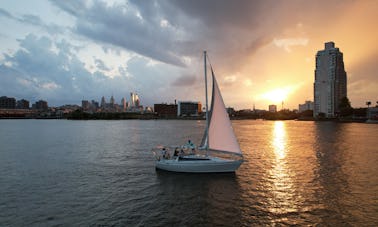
(201, 198)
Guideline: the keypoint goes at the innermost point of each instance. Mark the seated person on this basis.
(190, 145)
(176, 152)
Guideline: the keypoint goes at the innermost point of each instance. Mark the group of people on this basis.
(179, 152)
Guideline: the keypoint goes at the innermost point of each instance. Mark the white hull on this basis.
(201, 165)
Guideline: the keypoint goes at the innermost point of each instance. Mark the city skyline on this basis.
(264, 51)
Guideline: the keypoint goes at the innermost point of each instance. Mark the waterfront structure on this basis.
(85, 105)
(188, 108)
(94, 105)
(308, 105)
(22, 104)
(372, 114)
(91, 106)
(272, 108)
(330, 84)
(7, 102)
(41, 105)
(166, 110)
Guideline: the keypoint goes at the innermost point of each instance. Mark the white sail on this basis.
(221, 136)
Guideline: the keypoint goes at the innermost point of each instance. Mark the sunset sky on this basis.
(262, 52)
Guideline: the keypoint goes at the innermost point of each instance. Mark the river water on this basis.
(81, 173)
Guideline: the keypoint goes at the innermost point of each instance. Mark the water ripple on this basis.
(102, 173)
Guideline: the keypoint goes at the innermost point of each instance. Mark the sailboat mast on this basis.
(207, 108)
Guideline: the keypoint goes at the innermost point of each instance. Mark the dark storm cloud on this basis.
(120, 26)
(167, 30)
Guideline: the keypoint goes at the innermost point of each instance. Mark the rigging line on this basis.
(207, 56)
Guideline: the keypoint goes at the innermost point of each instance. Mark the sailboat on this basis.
(219, 151)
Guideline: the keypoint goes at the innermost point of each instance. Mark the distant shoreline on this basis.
(153, 117)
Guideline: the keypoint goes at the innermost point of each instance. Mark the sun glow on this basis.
(277, 95)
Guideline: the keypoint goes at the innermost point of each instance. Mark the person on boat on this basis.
(164, 152)
(182, 152)
(191, 146)
(176, 152)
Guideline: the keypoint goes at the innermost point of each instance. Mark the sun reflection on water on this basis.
(282, 188)
(279, 139)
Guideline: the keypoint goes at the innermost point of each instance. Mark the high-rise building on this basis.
(123, 104)
(85, 104)
(7, 102)
(189, 108)
(22, 104)
(330, 84)
(134, 100)
(112, 101)
(103, 102)
(94, 105)
(41, 105)
(166, 110)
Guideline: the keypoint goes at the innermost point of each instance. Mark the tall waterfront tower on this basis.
(330, 84)
(103, 102)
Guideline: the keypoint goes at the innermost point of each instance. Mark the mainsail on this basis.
(220, 135)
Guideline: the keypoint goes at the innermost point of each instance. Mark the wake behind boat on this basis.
(219, 138)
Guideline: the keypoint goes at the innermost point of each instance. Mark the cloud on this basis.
(31, 19)
(34, 20)
(184, 80)
(127, 27)
(229, 79)
(162, 43)
(6, 14)
(362, 80)
(286, 44)
(39, 72)
(101, 65)
(169, 30)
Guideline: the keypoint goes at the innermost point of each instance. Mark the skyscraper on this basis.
(330, 84)
(103, 102)
(134, 99)
(112, 102)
